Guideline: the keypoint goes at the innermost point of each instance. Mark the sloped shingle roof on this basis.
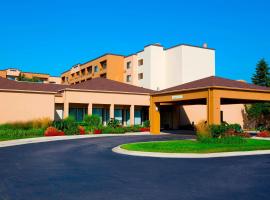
(102, 84)
(214, 81)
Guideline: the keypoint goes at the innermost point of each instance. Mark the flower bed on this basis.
(263, 134)
(51, 131)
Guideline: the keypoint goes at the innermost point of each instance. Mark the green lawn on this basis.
(193, 146)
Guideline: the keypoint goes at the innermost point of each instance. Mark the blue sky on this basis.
(52, 35)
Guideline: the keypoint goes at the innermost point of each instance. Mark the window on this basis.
(140, 76)
(140, 62)
(78, 113)
(72, 75)
(96, 69)
(128, 78)
(103, 64)
(103, 75)
(128, 65)
(89, 70)
(78, 73)
(83, 72)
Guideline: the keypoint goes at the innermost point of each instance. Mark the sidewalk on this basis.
(57, 138)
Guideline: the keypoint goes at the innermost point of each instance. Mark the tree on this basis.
(262, 75)
(260, 112)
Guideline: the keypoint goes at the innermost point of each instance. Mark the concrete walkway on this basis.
(70, 137)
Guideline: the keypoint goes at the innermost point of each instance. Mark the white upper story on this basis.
(158, 68)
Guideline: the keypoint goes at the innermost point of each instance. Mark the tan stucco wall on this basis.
(232, 113)
(3, 73)
(16, 106)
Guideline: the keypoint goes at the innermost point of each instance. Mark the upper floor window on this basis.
(140, 76)
(128, 65)
(83, 72)
(104, 64)
(128, 78)
(96, 69)
(72, 75)
(78, 73)
(89, 70)
(140, 62)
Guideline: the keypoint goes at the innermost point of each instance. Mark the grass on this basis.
(193, 146)
(20, 134)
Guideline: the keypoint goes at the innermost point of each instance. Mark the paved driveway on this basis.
(88, 169)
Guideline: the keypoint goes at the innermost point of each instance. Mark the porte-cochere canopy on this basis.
(211, 91)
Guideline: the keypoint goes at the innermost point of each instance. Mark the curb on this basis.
(119, 150)
(62, 138)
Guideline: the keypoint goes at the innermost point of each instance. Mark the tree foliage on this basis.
(260, 111)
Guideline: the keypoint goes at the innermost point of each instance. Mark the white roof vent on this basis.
(205, 45)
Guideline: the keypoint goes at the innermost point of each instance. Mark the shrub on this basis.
(235, 127)
(113, 130)
(146, 123)
(52, 131)
(136, 128)
(33, 124)
(218, 131)
(202, 129)
(81, 130)
(71, 127)
(92, 120)
(263, 134)
(42, 123)
(223, 140)
(113, 123)
(20, 133)
(144, 129)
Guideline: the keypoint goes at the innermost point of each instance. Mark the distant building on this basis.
(14, 74)
(108, 66)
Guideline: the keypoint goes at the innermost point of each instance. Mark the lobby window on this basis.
(140, 76)
(128, 78)
(140, 62)
(96, 69)
(128, 65)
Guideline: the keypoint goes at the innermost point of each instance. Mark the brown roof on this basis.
(214, 81)
(16, 85)
(103, 84)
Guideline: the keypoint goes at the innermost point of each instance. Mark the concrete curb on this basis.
(119, 150)
(60, 138)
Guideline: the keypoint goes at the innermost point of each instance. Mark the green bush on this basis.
(136, 128)
(113, 123)
(146, 124)
(113, 130)
(6, 134)
(71, 127)
(218, 130)
(92, 120)
(236, 127)
(223, 140)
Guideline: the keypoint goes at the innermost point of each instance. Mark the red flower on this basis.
(51, 131)
(97, 131)
(81, 130)
(263, 134)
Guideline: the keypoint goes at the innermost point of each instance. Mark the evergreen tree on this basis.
(262, 75)
(260, 111)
